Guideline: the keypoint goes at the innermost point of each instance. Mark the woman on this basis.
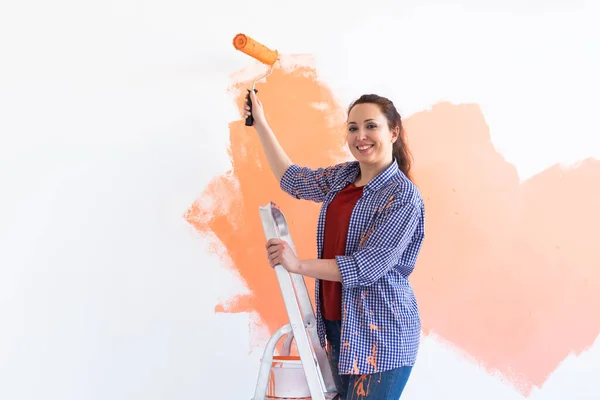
(369, 233)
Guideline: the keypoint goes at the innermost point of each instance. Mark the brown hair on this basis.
(399, 149)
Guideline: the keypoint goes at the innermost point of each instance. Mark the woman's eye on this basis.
(371, 126)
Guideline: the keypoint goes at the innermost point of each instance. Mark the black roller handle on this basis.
(250, 118)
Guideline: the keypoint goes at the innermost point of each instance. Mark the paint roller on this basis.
(260, 52)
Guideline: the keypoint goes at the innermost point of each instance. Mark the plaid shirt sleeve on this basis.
(382, 246)
(309, 184)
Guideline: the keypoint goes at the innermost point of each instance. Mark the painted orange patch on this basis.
(508, 270)
(306, 119)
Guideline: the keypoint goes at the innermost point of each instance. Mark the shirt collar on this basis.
(381, 179)
(376, 183)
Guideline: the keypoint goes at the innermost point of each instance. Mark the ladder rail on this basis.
(300, 335)
(306, 308)
(301, 316)
(310, 322)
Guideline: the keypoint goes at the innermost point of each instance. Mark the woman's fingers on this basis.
(275, 248)
(274, 259)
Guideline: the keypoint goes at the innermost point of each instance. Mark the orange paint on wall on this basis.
(508, 272)
(306, 119)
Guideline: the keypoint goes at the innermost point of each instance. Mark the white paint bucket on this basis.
(287, 379)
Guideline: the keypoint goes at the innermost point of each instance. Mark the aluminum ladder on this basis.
(302, 327)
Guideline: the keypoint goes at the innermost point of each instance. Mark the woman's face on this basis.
(369, 137)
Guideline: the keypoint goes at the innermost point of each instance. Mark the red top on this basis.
(337, 221)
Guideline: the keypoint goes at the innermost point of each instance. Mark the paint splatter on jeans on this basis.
(386, 385)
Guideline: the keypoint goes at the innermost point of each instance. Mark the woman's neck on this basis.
(369, 171)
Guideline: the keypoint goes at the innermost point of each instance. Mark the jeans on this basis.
(387, 385)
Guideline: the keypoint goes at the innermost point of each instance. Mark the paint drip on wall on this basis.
(508, 271)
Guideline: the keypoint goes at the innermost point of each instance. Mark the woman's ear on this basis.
(395, 134)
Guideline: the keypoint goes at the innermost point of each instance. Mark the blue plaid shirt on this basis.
(381, 325)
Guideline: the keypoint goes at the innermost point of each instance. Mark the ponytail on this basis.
(402, 153)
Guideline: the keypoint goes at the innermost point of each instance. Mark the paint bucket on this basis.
(287, 379)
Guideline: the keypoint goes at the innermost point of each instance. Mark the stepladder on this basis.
(301, 329)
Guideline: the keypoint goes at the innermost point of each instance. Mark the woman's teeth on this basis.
(365, 147)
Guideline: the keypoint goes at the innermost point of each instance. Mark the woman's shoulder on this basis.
(404, 191)
(345, 166)
(341, 171)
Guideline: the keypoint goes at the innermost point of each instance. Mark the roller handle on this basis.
(250, 118)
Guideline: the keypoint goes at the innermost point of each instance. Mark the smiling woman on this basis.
(369, 234)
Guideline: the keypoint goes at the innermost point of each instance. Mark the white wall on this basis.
(114, 116)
